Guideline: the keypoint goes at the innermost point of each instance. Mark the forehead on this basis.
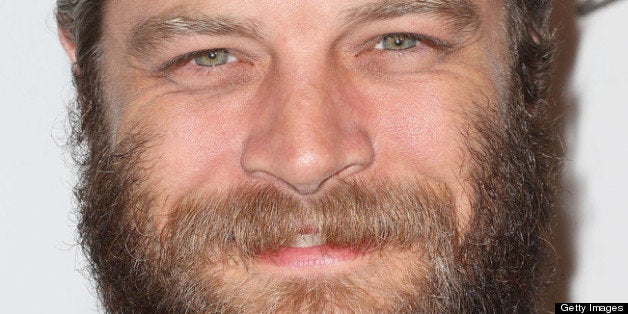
(305, 14)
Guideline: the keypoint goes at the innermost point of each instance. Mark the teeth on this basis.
(307, 240)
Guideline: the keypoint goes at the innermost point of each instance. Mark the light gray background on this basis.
(40, 268)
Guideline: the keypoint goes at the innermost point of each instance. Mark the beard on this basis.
(204, 256)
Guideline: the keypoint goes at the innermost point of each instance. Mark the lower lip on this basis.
(317, 256)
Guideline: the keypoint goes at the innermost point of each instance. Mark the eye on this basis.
(213, 58)
(397, 42)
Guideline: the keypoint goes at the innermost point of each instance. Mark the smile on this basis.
(309, 254)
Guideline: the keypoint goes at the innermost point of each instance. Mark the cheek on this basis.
(197, 143)
(420, 126)
(420, 134)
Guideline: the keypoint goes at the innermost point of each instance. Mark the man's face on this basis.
(310, 155)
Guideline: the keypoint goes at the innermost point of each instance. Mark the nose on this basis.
(305, 133)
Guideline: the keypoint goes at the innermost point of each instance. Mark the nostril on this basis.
(304, 178)
(303, 188)
(313, 186)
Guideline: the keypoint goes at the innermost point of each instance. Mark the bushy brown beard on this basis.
(495, 266)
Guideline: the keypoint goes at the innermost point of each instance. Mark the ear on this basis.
(68, 44)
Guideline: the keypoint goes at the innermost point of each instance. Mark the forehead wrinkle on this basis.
(151, 34)
(462, 14)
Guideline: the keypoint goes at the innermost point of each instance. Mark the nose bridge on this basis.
(308, 136)
(306, 123)
(304, 101)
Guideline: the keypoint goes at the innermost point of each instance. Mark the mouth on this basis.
(308, 254)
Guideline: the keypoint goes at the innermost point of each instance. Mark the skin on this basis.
(306, 105)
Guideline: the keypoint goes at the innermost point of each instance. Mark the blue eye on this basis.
(213, 58)
(397, 42)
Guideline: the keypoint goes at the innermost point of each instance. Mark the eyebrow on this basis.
(461, 14)
(151, 34)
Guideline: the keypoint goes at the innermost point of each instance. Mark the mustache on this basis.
(253, 220)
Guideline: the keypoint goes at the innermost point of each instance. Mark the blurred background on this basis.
(41, 269)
